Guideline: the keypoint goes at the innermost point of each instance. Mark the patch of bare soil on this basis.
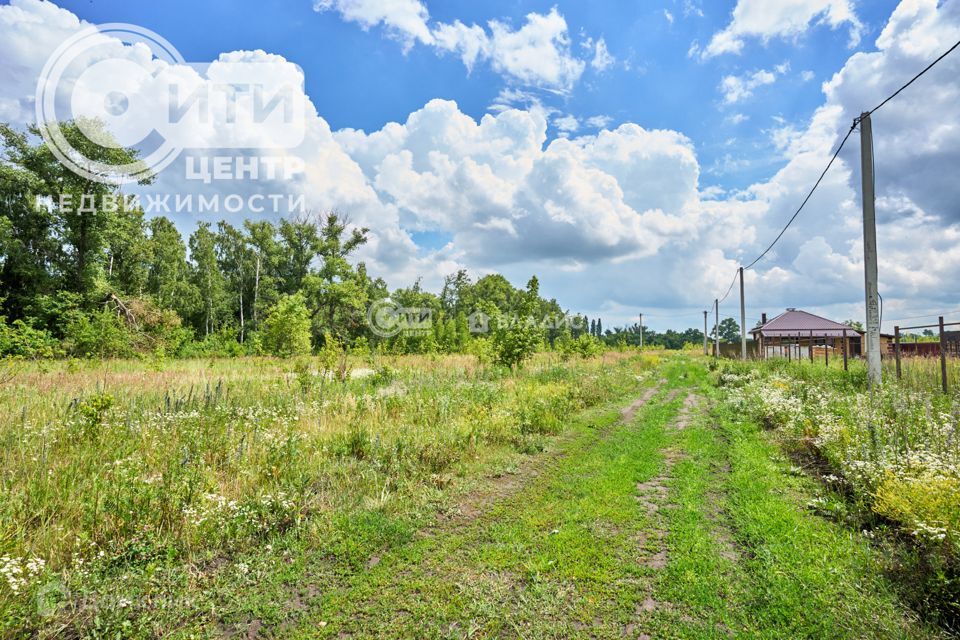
(690, 402)
(627, 414)
(652, 496)
(505, 484)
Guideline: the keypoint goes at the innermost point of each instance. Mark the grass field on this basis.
(622, 496)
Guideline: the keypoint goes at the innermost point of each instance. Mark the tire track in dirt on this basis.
(504, 485)
(652, 496)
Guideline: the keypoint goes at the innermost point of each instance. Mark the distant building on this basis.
(797, 334)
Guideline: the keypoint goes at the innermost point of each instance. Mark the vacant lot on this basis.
(621, 496)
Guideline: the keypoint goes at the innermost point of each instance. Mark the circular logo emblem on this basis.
(383, 318)
(51, 597)
(98, 78)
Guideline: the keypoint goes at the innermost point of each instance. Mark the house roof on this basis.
(794, 322)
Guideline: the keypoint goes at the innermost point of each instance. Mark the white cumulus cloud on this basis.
(738, 88)
(537, 53)
(765, 20)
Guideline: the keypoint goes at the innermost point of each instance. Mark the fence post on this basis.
(809, 345)
(943, 357)
(826, 353)
(896, 348)
(844, 349)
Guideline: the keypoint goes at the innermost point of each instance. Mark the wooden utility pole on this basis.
(704, 332)
(943, 356)
(641, 331)
(896, 349)
(872, 335)
(845, 347)
(743, 321)
(716, 329)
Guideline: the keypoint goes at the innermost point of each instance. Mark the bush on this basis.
(102, 334)
(20, 339)
(482, 349)
(585, 346)
(220, 344)
(286, 331)
(159, 331)
(515, 344)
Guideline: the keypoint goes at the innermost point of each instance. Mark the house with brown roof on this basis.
(796, 334)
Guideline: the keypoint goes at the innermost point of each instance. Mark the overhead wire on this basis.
(833, 158)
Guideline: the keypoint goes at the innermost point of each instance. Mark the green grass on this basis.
(151, 492)
(426, 516)
(889, 458)
(566, 556)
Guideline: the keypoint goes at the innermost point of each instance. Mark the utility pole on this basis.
(872, 337)
(716, 329)
(704, 332)
(641, 332)
(743, 321)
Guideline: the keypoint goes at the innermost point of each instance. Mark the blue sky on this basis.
(359, 78)
(630, 154)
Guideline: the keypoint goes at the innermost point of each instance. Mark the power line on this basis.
(805, 200)
(833, 158)
(730, 288)
(929, 315)
(916, 77)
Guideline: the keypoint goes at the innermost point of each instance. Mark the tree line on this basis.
(109, 282)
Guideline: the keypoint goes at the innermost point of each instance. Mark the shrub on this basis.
(220, 344)
(584, 346)
(516, 343)
(286, 330)
(482, 349)
(20, 339)
(102, 334)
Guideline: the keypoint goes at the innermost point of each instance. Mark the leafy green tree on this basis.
(300, 245)
(516, 342)
(235, 261)
(207, 277)
(81, 219)
(417, 300)
(729, 330)
(168, 275)
(286, 329)
(456, 294)
(266, 253)
(493, 289)
(128, 251)
(336, 292)
(29, 251)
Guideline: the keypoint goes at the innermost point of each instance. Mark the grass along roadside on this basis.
(202, 516)
(888, 461)
(675, 518)
(747, 557)
(557, 559)
(727, 550)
